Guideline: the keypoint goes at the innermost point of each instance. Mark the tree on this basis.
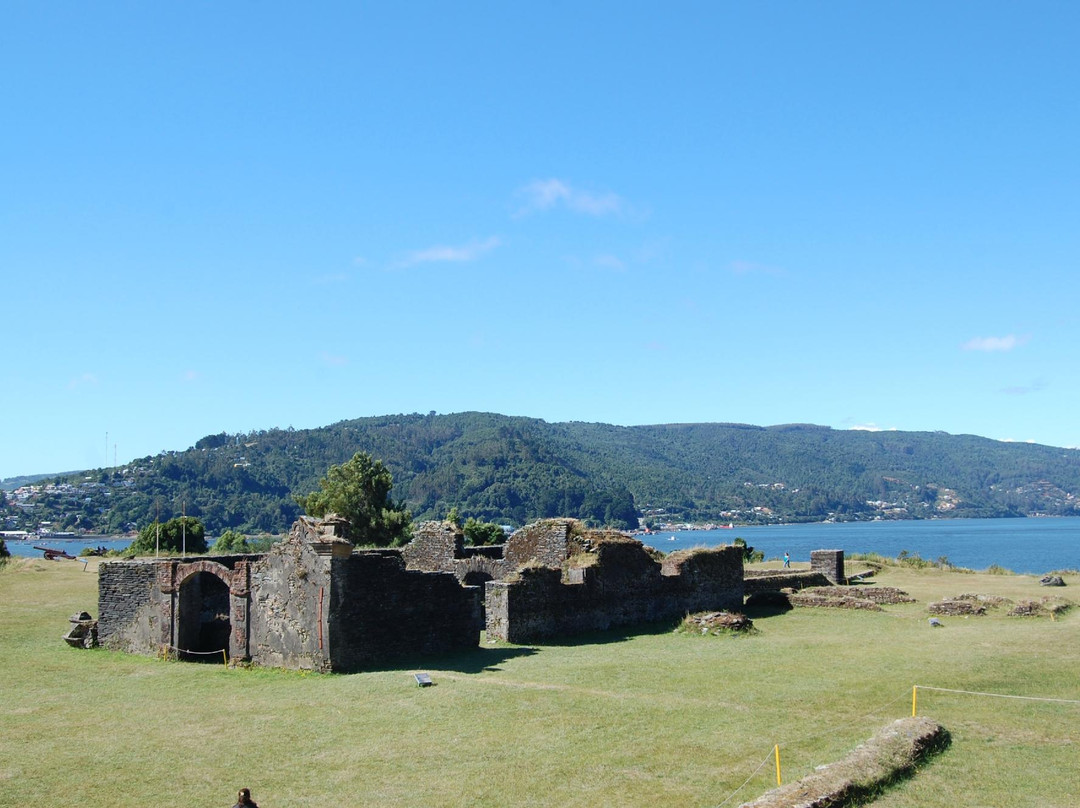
(478, 533)
(231, 542)
(359, 491)
(182, 534)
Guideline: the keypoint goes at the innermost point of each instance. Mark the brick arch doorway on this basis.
(203, 624)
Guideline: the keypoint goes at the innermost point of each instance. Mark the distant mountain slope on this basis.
(513, 469)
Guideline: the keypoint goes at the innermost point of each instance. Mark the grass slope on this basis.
(637, 719)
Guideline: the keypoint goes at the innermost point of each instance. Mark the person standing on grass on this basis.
(787, 560)
(243, 799)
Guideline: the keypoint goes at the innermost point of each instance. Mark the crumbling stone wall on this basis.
(310, 603)
(440, 547)
(774, 580)
(616, 582)
(379, 611)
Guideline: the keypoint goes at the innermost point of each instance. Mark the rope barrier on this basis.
(998, 695)
(223, 651)
(768, 757)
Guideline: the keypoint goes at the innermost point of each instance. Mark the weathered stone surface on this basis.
(305, 604)
(610, 580)
(1052, 580)
(894, 752)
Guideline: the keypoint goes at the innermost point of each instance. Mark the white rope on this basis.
(748, 779)
(998, 695)
(185, 651)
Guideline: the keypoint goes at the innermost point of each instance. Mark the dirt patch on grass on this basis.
(892, 754)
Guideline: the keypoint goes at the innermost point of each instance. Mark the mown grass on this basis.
(643, 718)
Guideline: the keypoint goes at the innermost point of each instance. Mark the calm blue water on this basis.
(1021, 545)
(69, 546)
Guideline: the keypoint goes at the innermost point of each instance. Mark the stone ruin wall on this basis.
(621, 584)
(314, 603)
(310, 603)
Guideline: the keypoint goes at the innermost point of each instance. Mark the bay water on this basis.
(1032, 546)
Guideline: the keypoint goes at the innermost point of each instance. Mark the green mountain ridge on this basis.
(513, 470)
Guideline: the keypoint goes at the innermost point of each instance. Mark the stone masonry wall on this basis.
(829, 563)
(380, 611)
(773, 581)
(129, 613)
(440, 547)
(624, 586)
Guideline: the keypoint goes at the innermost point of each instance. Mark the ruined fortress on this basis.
(313, 602)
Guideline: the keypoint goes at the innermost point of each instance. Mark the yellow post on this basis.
(776, 749)
(225, 658)
(914, 698)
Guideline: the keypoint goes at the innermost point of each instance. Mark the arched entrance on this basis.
(203, 625)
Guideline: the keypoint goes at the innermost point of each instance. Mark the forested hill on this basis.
(513, 470)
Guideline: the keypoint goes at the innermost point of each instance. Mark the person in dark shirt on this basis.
(243, 799)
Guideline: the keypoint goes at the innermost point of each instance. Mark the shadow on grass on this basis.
(613, 635)
(484, 658)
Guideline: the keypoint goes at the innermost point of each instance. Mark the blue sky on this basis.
(243, 216)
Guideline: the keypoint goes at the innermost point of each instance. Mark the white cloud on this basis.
(444, 254)
(541, 195)
(990, 344)
(871, 427)
(190, 376)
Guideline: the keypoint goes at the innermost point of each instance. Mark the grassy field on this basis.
(648, 718)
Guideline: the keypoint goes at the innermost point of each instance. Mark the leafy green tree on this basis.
(231, 541)
(477, 532)
(359, 491)
(185, 532)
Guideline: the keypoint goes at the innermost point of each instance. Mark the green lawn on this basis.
(649, 718)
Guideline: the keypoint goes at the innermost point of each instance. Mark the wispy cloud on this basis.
(190, 376)
(82, 381)
(992, 344)
(871, 427)
(451, 254)
(541, 195)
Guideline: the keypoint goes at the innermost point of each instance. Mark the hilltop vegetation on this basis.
(513, 470)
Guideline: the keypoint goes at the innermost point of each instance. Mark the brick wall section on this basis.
(380, 611)
(545, 542)
(129, 616)
(440, 547)
(623, 586)
(829, 563)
